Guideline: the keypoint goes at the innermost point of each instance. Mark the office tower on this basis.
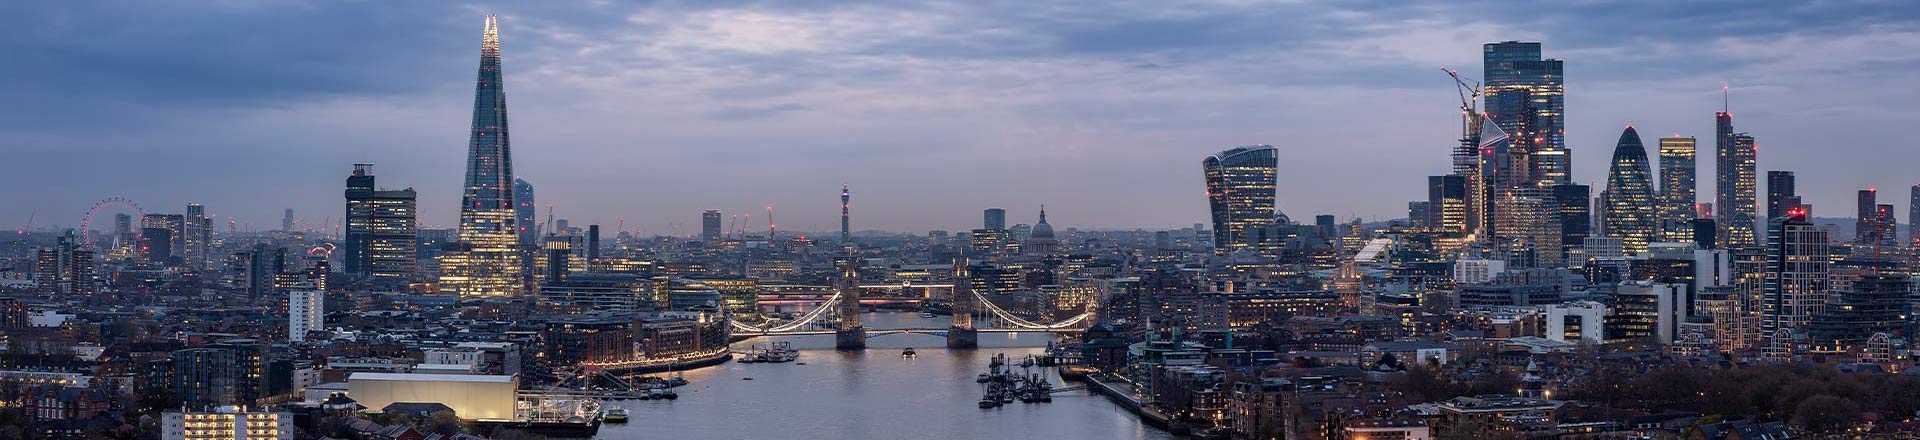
(1704, 233)
(199, 232)
(125, 238)
(1446, 205)
(1628, 203)
(306, 310)
(1240, 193)
(1913, 215)
(64, 269)
(1525, 95)
(846, 221)
(1780, 193)
(1529, 228)
(1887, 225)
(1734, 177)
(286, 220)
(1469, 163)
(172, 227)
(157, 244)
(593, 243)
(1418, 213)
(1866, 218)
(1795, 278)
(1497, 175)
(559, 252)
(1677, 188)
(994, 218)
(710, 225)
(524, 214)
(1324, 224)
(489, 259)
(381, 229)
(1576, 216)
(123, 226)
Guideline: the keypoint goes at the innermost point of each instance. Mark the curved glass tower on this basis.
(1630, 209)
(1240, 189)
(488, 262)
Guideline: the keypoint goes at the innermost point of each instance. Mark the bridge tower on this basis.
(851, 335)
(962, 334)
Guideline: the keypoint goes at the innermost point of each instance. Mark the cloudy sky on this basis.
(931, 111)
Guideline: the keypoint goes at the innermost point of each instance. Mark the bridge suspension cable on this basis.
(830, 305)
(1022, 323)
(794, 324)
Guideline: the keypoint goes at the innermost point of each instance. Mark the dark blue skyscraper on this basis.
(524, 211)
(1525, 95)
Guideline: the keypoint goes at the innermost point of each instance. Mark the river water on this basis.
(873, 394)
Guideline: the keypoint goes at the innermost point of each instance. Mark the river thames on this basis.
(873, 394)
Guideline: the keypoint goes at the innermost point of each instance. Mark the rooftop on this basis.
(417, 377)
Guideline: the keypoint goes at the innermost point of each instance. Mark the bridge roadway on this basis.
(871, 333)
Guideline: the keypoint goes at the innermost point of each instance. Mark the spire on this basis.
(490, 38)
(1043, 213)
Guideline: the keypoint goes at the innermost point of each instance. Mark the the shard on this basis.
(487, 262)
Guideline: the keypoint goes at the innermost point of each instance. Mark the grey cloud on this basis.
(742, 113)
(1020, 101)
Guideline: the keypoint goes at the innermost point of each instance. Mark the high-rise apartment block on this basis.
(306, 311)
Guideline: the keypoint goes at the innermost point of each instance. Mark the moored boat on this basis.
(614, 415)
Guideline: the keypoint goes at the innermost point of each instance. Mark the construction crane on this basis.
(1468, 160)
(30, 217)
(1469, 91)
(548, 227)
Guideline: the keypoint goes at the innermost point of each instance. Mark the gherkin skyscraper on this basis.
(1630, 213)
(487, 262)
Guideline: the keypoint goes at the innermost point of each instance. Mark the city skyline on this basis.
(1106, 141)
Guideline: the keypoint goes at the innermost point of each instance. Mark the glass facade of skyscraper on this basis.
(1677, 188)
(1629, 204)
(1735, 178)
(1240, 192)
(1525, 95)
(489, 260)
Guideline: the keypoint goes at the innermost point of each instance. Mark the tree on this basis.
(1427, 385)
(1825, 412)
(445, 423)
(1390, 361)
(399, 418)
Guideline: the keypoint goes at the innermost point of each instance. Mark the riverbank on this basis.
(1122, 394)
(873, 394)
(707, 359)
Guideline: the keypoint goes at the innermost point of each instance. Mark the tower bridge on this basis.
(839, 315)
